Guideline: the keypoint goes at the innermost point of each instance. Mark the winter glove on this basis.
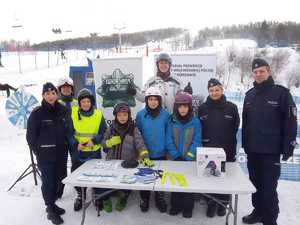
(189, 156)
(131, 90)
(147, 162)
(114, 140)
(188, 89)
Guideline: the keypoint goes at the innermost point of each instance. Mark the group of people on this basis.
(167, 128)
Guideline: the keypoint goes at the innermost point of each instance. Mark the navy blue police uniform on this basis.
(46, 136)
(269, 130)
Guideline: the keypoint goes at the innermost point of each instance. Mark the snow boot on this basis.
(187, 213)
(56, 209)
(121, 203)
(211, 209)
(54, 217)
(174, 211)
(160, 202)
(77, 204)
(107, 205)
(221, 211)
(252, 218)
(144, 205)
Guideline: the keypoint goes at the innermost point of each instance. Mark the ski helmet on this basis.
(85, 93)
(153, 91)
(65, 81)
(183, 98)
(121, 107)
(164, 56)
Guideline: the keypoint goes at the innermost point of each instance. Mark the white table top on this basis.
(117, 170)
(234, 182)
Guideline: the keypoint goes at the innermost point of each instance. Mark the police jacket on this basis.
(153, 131)
(47, 127)
(220, 122)
(269, 119)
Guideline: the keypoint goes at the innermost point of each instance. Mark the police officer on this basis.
(46, 136)
(268, 131)
(65, 88)
(220, 122)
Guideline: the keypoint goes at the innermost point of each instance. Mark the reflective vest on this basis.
(87, 127)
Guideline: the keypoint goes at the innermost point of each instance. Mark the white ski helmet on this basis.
(65, 81)
(153, 91)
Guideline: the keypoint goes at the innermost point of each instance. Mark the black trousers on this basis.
(264, 172)
(51, 178)
(182, 201)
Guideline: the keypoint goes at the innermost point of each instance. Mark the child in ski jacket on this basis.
(152, 122)
(183, 138)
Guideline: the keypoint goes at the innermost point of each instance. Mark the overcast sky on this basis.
(38, 17)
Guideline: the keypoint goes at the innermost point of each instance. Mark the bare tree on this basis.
(279, 60)
(243, 62)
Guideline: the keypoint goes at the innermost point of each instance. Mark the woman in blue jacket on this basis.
(183, 138)
(152, 123)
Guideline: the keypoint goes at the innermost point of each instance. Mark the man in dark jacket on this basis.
(220, 122)
(46, 137)
(269, 130)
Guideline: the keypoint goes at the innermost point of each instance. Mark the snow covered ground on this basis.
(24, 203)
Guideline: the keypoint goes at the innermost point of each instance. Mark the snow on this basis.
(24, 203)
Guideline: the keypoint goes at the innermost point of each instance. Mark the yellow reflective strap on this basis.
(172, 178)
(181, 179)
(163, 179)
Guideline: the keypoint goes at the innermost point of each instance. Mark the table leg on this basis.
(83, 205)
(235, 208)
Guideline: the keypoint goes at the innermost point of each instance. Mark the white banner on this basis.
(196, 69)
(112, 77)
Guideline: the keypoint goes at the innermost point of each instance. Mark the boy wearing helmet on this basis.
(183, 138)
(65, 88)
(168, 85)
(122, 140)
(152, 123)
(87, 130)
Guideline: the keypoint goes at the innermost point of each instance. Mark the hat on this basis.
(86, 93)
(183, 98)
(258, 62)
(213, 82)
(49, 87)
(121, 107)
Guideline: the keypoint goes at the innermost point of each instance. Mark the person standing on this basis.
(152, 122)
(183, 138)
(66, 97)
(46, 136)
(168, 85)
(269, 130)
(220, 122)
(87, 129)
